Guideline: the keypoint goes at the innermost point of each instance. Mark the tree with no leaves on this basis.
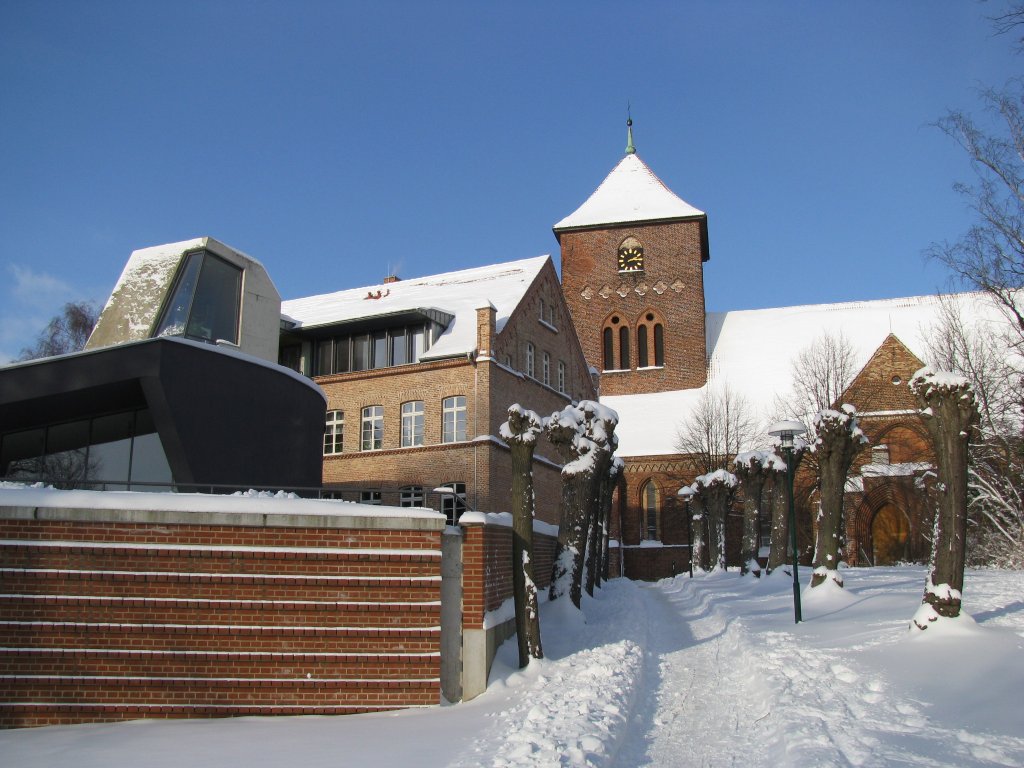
(521, 432)
(986, 358)
(720, 425)
(950, 413)
(837, 442)
(67, 332)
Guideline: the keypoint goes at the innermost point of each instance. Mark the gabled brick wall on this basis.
(214, 614)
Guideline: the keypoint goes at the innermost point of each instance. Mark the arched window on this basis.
(649, 503)
(649, 327)
(615, 344)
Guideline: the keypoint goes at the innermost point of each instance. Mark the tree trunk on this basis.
(521, 437)
(697, 530)
(949, 411)
(715, 491)
(777, 492)
(839, 438)
(752, 472)
(751, 525)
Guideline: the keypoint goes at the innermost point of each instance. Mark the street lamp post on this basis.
(786, 431)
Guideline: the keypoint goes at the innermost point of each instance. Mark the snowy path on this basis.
(686, 673)
(737, 687)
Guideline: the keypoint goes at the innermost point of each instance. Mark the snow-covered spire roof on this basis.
(630, 193)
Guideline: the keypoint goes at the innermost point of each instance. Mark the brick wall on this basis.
(104, 618)
(671, 285)
(487, 568)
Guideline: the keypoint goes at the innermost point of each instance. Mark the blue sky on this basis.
(334, 141)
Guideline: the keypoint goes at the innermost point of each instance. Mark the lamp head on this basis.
(786, 431)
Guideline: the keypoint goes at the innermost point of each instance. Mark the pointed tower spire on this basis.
(630, 149)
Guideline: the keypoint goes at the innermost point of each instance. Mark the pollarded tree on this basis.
(950, 413)
(697, 516)
(715, 491)
(600, 430)
(986, 357)
(753, 470)
(521, 432)
(571, 431)
(837, 442)
(778, 492)
(615, 471)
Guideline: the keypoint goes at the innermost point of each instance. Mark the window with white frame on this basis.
(412, 423)
(369, 497)
(411, 496)
(372, 432)
(334, 432)
(530, 368)
(453, 419)
(546, 368)
(561, 376)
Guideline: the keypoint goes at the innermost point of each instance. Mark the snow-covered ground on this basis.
(704, 672)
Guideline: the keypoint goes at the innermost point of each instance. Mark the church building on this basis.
(632, 260)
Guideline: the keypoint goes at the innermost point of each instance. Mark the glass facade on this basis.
(119, 451)
(205, 302)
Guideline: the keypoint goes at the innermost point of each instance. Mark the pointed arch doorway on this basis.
(889, 531)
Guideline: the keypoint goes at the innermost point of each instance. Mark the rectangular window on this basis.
(418, 343)
(546, 368)
(372, 433)
(412, 423)
(334, 430)
(360, 352)
(325, 357)
(342, 351)
(561, 376)
(529, 360)
(453, 419)
(411, 496)
(380, 349)
(369, 497)
(399, 346)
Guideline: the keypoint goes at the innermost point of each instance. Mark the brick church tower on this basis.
(633, 277)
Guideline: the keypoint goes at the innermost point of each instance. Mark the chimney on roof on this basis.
(391, 279)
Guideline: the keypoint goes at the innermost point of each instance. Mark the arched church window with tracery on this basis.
(615, 344)
(650, 341)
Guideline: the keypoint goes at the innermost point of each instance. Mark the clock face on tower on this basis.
(631, 257)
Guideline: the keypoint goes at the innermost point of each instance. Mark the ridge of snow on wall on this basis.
(458, 293)
(753, 351)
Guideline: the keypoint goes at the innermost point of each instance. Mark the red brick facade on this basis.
(493, 379)
(114, 620)
(669, 291)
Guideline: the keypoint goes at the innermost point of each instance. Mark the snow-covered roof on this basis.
(752, 351)
(458, 294)
(631, 192)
